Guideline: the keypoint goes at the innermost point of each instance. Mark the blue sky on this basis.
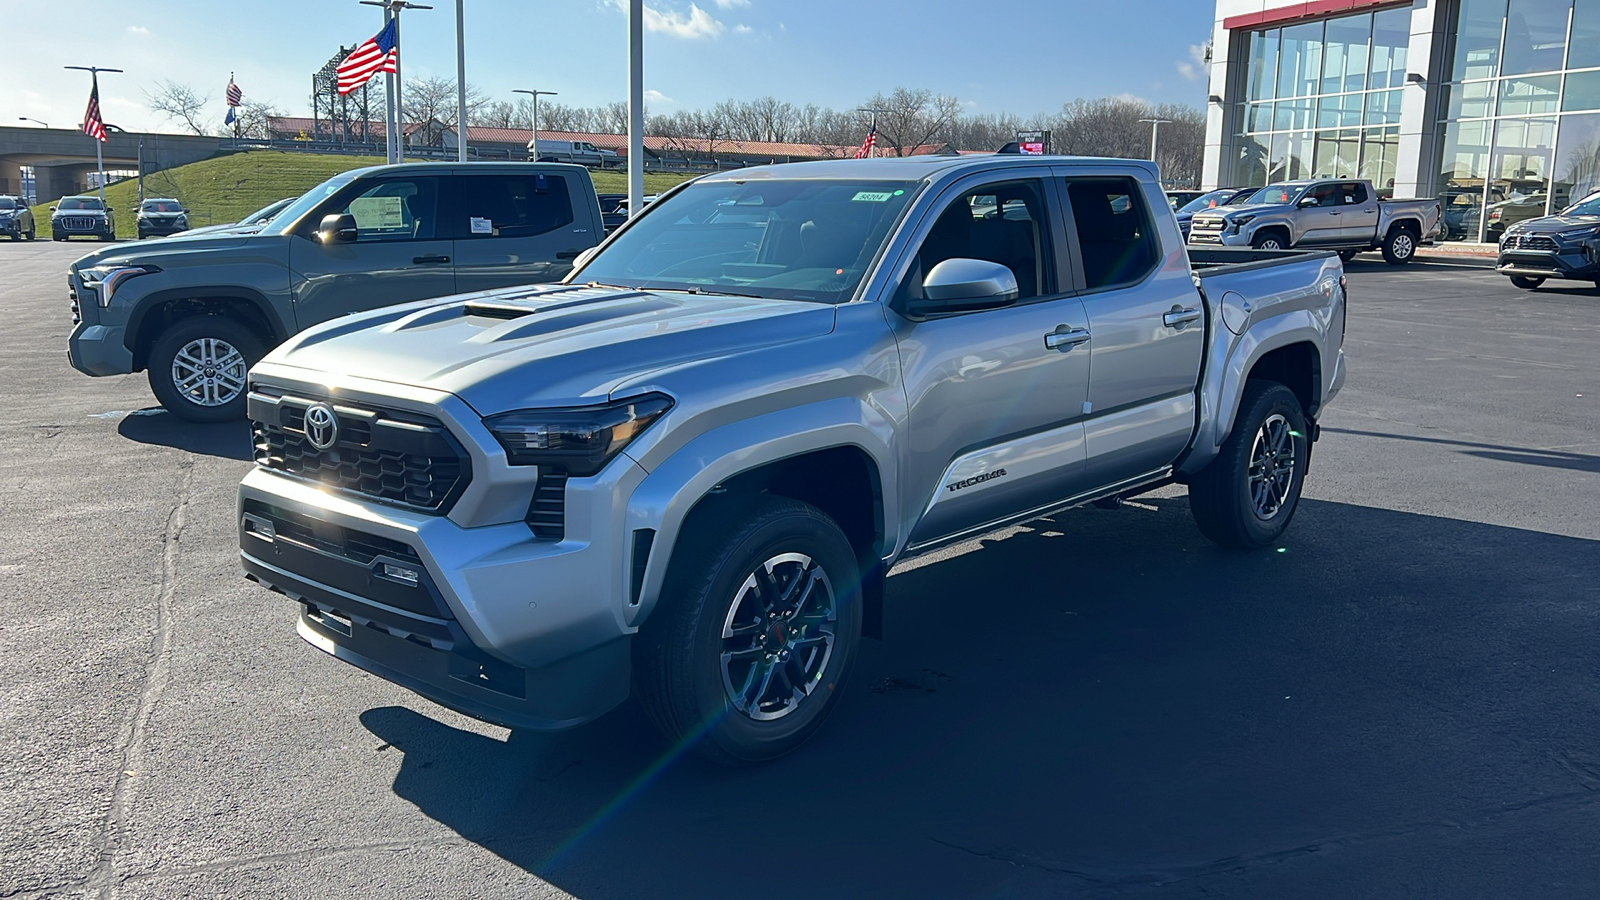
(1021, 56)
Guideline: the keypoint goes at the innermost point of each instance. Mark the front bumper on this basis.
(11, 226)
(1216, 238)
(1576, 260)
(162, 228)
(96, 228)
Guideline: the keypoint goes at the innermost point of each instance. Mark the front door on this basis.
(399, 253)
(516, 228)
(1149, 329)
(996, 396)
(1319, 215)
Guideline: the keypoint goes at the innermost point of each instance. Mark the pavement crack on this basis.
(158, 671)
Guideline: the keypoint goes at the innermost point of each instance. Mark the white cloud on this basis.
(742, 29)
(730, 4)
(695, 24)
(655, 97)
(1126, 97)
(1194, 68)
(140, 30)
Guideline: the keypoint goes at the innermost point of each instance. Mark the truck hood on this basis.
(1556, 224)
(1226, 212)
(171, 251)
(545, 345)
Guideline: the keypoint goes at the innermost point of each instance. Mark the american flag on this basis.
(378, 54)
(868, 144)
(235, 96)
(93, 125)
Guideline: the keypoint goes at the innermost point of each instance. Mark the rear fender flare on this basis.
(1224, 384)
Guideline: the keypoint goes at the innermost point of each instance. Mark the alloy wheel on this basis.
(778, 636)
(209, 372)
(1272, 465)
(1403, 246)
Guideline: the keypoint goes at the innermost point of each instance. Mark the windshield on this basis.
(79, 203)
(1206, 201)
(166, 206)
(7, 203)
(789, 240)
(1588, 206)
(306, 202)
(1272, 193)
(266, 213)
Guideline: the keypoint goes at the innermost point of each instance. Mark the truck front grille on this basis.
(391, 456)
(1530, 242)
(78, 223)
(1205, 230)
(72, 294)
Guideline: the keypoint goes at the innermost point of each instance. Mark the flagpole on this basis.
(461, 85)
(635, 108)
(391, 127)
(94, 91)
(100, 163)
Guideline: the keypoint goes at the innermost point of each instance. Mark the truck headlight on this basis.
(579, 439)
(1239, 221)
(104, 280)
(1580, 234)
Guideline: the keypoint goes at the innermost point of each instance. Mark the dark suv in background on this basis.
(1560, 246)
(16, 219)
(162, 216)
(82, 215)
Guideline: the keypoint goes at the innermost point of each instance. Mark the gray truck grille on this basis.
(72, 293)
(394, 457)
(1205, 231)
(78, 223)
(1530, 242)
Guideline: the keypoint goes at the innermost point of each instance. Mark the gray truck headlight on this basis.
(1239, 221)
(104, 280)
(1580, 234)
(578, 439)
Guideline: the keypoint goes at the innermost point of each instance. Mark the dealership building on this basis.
(1491, 105)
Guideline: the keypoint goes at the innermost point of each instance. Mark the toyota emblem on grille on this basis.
(322, 426)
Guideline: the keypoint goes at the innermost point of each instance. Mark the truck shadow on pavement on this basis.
(1106, 703)
(230, 440)
(1531, 456)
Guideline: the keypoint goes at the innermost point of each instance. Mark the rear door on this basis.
(1358, 211)
(1147, 322)
(518, 227)
(399, 254)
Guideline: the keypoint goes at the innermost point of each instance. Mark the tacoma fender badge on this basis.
(976, 479)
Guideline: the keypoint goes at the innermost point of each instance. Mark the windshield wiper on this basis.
(698, 291)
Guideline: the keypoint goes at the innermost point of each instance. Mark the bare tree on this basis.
(180, 102)
(254, 118)
(431, 103)
(911, 118)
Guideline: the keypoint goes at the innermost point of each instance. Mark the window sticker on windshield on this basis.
(377, 212)
(481, 225)
(872, 197)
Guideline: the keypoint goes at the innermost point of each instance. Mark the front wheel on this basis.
(198, 367)
(1267, 241)
(755, 633)
(1399, 247)
(1526, 282)
(1247, 495)
(1347, 255)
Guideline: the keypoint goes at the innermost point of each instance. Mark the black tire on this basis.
(1222, 496)
(33, 233)
(1347, 255)
(16, 235)
(1269, 240)
(226, 386)
(58, 237)
(680, 675)
(1526, 282)
(1400, 246)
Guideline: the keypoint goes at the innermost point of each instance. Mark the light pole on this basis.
(635, 107)
(1155, 129)
(461, 85)
(535, 95)
(392, 10)
(873, 150)
(35, 121)
(99, 158)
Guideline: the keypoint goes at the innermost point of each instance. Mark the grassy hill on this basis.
(227, 188)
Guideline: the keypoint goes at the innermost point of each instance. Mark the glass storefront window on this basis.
(1338, 154)
(1292, 114)
(1536, 36)
(1259, 117)
(1391, 35)
(1584, 48)
(1477, 52)
(1383, 108)
(1583, 90)
(1379, 151)
(1519, 172)
(1473, 100)
(1461, 181)
(1576, 173)
(1263, 67)
(1344, 54)
(1300, 60)
(1339, 111)
(1525, 96)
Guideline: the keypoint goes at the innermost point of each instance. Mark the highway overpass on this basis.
(62, 158)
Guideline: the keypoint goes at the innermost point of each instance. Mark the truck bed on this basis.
(1208, 261)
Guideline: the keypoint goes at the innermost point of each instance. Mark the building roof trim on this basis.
(1308, 9)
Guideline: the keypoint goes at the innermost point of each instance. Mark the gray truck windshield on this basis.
(1273, 193)
(291, 214)
(789, 240)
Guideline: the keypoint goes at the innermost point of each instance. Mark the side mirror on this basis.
(964, 285)
(1307, 201)
(52, 209)
(337, 229)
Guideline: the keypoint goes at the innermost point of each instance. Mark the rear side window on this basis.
(513, 205)
(1351, 193)
(1116, 239)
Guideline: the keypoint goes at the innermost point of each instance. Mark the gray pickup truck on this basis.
(685, 471)
(197, 312)
(1325, 214)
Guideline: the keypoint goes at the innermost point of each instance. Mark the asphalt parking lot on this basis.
(1403, 700)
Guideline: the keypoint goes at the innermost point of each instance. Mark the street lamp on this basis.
(535, 95)
(99, 158)
(35, 121)
(1155, 128)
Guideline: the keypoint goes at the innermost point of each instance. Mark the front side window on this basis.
(399, 210)
(1000, 223)
(511, 206)
(1115, 239)
(306, 203)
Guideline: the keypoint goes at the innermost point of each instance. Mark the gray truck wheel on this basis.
(1525, 282)
(197, 368)
(1246, 496)
(755, 633)
(1400, 246)
(1270, 240)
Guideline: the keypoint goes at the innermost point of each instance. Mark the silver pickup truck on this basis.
(1328, 214)
(685, 471)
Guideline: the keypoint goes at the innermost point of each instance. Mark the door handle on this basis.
(567, 254)
(1180, 317)
(431, 260)
(1333, 212)
(1065, 340)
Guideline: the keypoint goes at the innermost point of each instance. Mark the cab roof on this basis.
(913, 168)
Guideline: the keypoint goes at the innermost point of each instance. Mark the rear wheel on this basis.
(1269, 241)
(1247, 495)
(1526, 282)
(755, 633)
(1399, 247)
(197, 368)
(1347, 255)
